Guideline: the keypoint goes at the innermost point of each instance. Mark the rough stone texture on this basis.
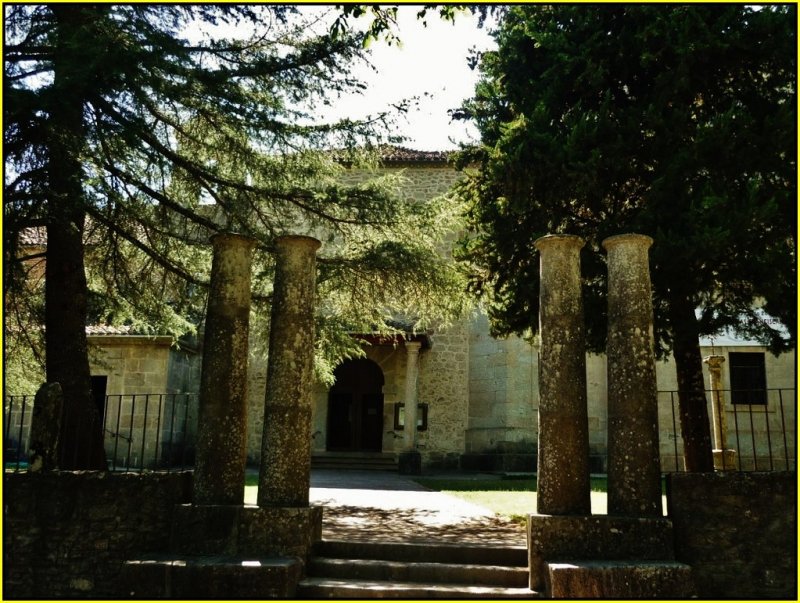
(178, 577)
(634, 473)
(503, 392)
(444, 387)
(595, 537)
(45, 427)
(738, 531)
(67, 534)
(563, 463)
(619, 580)
(286, 443)
(245, 530)
(222, 428)
(410, 396)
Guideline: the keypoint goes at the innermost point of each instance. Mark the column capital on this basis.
(629, 238)
(714, 361)
(413, 347)
(561, 240)
(291, 240)
(233, 238)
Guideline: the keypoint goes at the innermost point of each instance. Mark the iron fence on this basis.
(746, 437)
(140, 431)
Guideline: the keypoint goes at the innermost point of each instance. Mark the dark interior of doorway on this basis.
(355, 407)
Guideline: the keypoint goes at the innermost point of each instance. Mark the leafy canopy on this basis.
(673, 121)
(196, 119)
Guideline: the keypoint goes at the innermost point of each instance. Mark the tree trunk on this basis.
(66, 293)
(693, 406)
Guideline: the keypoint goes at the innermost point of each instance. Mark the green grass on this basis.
(526, 484)
(512, 498)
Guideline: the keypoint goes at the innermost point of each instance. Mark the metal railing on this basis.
(762, 436)
(140, 431)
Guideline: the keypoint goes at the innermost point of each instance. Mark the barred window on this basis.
(748, 378)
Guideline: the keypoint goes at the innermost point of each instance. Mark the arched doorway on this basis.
(355, 407)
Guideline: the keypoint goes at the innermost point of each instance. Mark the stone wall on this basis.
(66, 534)
(444, 387)
(144, 426)
(738, 532)
(503, 392)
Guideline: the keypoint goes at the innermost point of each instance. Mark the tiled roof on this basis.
(394, 154)
(108, 330)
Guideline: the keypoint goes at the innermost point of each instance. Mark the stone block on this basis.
(553, 538)
(619, 580)
(199, 578)
(245, 530)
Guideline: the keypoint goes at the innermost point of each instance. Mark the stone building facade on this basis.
(478, 396)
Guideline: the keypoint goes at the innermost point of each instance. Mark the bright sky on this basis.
(432, 60)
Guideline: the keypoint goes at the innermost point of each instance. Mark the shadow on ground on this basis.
(416, 526)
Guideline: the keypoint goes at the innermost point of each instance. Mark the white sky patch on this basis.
(431, 64)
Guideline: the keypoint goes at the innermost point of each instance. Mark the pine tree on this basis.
(134, 132)
(673, 121)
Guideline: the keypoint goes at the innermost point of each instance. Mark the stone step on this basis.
(415, 571)
(431, 552)
(354, 460)
(210, 577)
(334, 588)
(554, 538)
(619, 580)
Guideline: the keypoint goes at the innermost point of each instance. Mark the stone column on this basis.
(222, 424)
(286, 444)
(563, 463)
(410, 462)
(634, 472)
(724, 458)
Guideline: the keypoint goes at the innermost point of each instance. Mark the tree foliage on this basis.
(134, 132)
(673, 121)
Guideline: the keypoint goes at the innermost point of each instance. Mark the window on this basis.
(399, 416)
(748, 378)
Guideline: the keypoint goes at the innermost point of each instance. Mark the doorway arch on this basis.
(355, 407)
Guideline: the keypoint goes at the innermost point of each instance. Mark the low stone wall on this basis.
(66, 534)
(737, 531)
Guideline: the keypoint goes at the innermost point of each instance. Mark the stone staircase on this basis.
(341, 569)
(377, 461)
(605, 557)
(226, 552)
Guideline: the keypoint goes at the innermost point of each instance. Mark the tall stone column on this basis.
(286, 444)
(724, 458)
(634, 472)
(563, 463)
(410, 462)
(222, 425)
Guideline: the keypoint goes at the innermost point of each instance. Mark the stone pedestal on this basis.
(724, 458)
(592, 538)
(222, 423)
(563, 458)
(634, 472)
(286, 444)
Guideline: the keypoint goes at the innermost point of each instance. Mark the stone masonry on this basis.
(222, 431)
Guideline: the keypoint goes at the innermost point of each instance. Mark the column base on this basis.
(562, 538)
(410, 463)
(724, 460)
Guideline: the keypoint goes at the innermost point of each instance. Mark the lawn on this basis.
(514, 498)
